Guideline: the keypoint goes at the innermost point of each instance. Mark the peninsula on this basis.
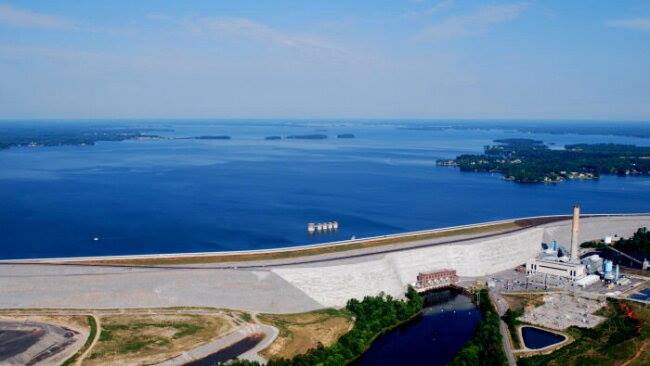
(14, 135)
(531, 161)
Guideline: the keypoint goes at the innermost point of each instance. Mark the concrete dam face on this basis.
(299, 285)
(333, 283)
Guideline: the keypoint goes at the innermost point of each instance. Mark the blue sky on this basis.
(325, 59)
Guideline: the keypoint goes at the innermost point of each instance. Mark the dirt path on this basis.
(636, 355)
(238, 334)
(270, 334)
(501, 307)
(114, 312)
(90, 347)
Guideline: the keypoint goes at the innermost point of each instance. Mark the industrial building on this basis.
(436, 279)
(554, 260)
(593, 264)
(556, 268)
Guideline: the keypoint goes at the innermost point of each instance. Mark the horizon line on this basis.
(413, 119)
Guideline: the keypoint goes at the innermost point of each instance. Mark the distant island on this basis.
(26, 135)
(345, 136)
(630, 129)
(209, 137)
(531, 161)
(273, 138)
(315, 136)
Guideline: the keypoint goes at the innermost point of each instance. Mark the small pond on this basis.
(642, 295)
(535, 338)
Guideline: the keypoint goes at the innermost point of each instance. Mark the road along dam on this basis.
(292, 279)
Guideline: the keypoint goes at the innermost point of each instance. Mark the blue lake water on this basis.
(535, 338)
(157, 196)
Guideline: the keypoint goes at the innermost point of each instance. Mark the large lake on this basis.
(160, 196)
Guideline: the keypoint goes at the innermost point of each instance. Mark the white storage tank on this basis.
(587, 280)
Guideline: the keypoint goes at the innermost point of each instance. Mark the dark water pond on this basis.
(230, 352)
(14, 342)
(642, 295)
(535, 338)
(448, 321)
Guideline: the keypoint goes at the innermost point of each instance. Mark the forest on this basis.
(639, 243)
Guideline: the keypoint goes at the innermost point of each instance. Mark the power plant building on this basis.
(570, 267)
(556, 268)
(594, 264)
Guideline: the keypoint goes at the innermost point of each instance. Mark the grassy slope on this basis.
(153, 337)
(93, 330)
(301, 332)
(289, 253)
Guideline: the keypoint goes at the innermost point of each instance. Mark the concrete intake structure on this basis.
(294, 284)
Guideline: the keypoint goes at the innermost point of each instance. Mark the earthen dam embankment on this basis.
(294, 279)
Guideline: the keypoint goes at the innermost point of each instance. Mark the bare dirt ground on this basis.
(75, 322)
(55, 338)
(301, 332)
(148, 339)
(518, 301)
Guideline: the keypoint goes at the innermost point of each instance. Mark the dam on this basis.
(292, 279)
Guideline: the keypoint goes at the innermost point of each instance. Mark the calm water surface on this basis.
(535, 338)
(162, 196)
(447, 323)
(230, 352)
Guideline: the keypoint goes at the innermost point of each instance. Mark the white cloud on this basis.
(641, 24)
(476, 22)
(12, 16)
(259, 32)
(439, 6)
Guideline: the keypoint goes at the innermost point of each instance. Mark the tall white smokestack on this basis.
(575, 230)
